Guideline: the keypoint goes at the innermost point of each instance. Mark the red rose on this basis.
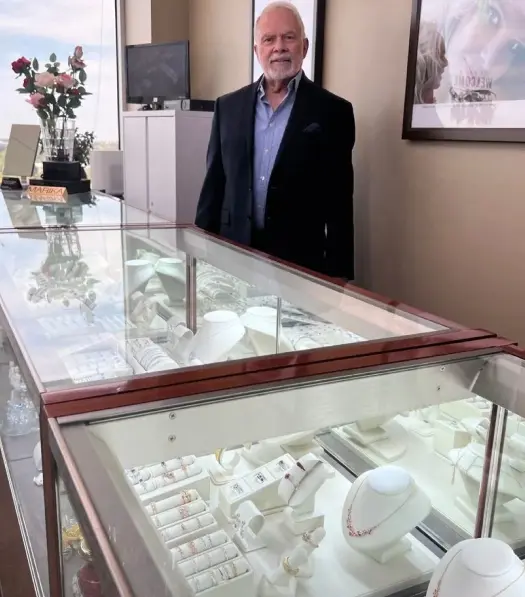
(20, 65)
(26, 83)
(73, 91)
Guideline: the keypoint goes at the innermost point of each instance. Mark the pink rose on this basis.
(76, 63)
(66, 81)
(78, 53)
(44, 80)
(37, 100)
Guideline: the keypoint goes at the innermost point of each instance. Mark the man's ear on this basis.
(306, 45)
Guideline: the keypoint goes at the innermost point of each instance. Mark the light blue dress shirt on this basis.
(269, 127)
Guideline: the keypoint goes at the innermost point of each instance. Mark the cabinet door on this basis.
(135, 162)
(161, 167)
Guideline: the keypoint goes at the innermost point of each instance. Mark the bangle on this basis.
(288, 569)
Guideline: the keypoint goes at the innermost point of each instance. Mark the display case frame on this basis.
(71, 454)
(299, 285)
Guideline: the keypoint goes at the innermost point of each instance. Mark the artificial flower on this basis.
(44, 79)
(37, 100)
(20, 65)
(78, 53)
(66, 81)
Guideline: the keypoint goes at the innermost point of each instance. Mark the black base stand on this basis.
(11, 183)
(63, 174)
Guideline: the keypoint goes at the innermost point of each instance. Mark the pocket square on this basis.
(314, 127)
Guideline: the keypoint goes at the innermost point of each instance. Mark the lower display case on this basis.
(353, 485)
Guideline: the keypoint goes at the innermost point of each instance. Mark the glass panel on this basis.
(92, 305)
(359, 477)
(20, 445)
(79, 577)
(502, 381)
(83, 210)
(94, 25)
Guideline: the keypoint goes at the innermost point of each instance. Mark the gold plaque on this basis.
(44, 194)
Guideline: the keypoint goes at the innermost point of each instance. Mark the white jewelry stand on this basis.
(449, 434)
(219, 333)
(422, 421)
(311, 542)
(282, 581)
(469, 463)
(261, 326)
(172, 275)
(221, 470)
(382, 507)
(300, 516)
(478, 568)
(259, 486)
(370, 434)
(138, 274)
(248, 522)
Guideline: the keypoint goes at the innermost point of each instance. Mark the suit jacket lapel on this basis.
(248, 123)
(298, 117)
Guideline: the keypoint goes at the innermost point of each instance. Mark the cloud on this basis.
(84, 23)
(91, 24)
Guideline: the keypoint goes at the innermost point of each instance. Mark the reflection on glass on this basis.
(20, 416)
(93, 305)
(80, 579)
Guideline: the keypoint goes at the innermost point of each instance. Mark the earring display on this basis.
(208, 560)
(140, 475)
(200, 545)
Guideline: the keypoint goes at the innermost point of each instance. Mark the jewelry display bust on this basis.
(172, 275)
(261, 326)
(382, 507)
(468, 462)
(138, 273)
(220, 331)
(478, 568)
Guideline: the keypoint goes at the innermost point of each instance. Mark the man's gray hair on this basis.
(287, 5)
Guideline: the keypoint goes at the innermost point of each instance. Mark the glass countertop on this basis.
(83, 210)
(89, 306)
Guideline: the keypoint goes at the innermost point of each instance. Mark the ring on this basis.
(307, 538)
(288, 568)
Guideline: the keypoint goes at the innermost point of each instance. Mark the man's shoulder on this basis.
(329, 99)
(234, 97)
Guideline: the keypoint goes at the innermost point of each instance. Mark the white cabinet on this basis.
(165, 161)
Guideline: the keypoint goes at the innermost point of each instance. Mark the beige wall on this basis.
(220, 46)
(439, 225)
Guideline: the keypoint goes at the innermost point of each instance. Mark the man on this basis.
(279, 168)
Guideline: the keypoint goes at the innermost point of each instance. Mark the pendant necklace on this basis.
(353, 532)
(437, 590)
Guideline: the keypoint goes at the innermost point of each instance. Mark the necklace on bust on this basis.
(353, 532)
(437, 590)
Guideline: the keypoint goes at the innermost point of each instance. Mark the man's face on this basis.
(278, 45)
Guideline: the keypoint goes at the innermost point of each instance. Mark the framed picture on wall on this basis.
(313, 15)
(466, 71)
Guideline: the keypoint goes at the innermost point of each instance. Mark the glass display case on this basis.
(94, 313)
(86, 210)
(353, 484)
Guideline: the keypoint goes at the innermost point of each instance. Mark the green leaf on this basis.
(82, 75)
(62, 100)
(35, 64)
(74, 102)
(57, 64)
(70, 113)
(42, 113)
(52, 57)
(50, 98)
(81, 89)
(56, 110)
(23, 90)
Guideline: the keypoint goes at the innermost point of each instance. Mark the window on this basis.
(32, 28)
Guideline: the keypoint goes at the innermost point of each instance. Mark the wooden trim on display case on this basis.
(248, 371)
(53, 540)
(359, 363)
(16, 579)
(110, 574)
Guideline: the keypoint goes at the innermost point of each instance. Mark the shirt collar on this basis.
(292, 85)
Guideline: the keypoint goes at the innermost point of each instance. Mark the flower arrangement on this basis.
(83, 146)
(53, 92)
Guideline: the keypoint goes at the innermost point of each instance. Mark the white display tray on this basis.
(434, 474)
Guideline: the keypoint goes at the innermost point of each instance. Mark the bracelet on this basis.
(288, 569)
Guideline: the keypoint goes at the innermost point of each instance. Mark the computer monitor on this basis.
(160, 71)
